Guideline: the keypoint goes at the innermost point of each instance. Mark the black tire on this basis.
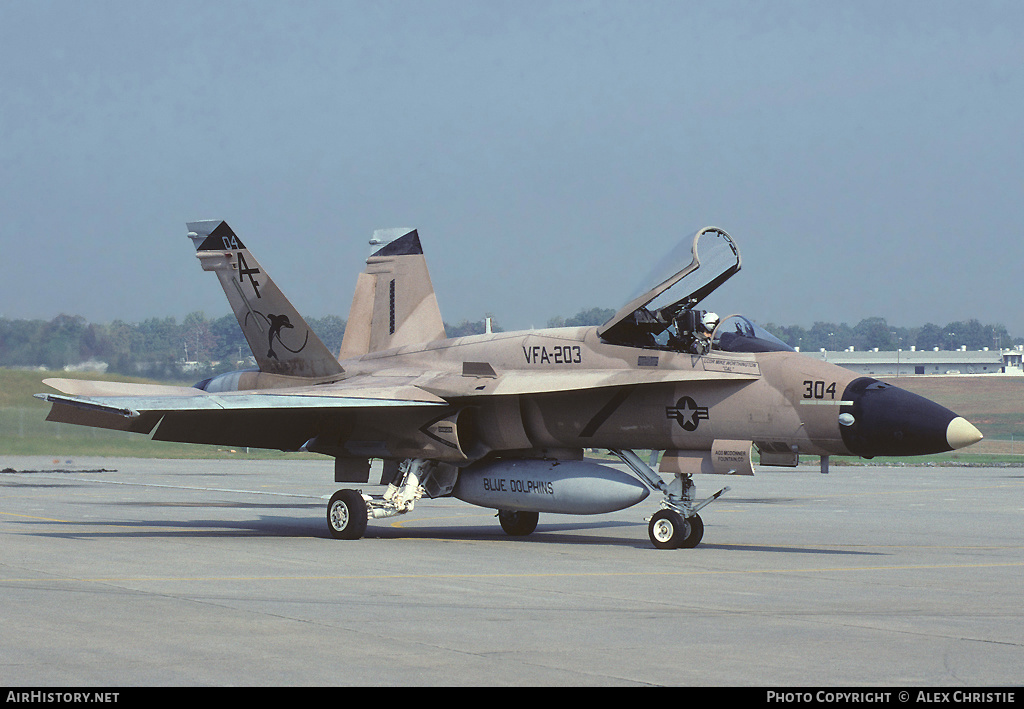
(667, 529)
(346, 515)
(696, 533)
(517, 523)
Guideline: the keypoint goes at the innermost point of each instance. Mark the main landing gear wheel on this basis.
(668, 530)
(518, 524)
(346, 515)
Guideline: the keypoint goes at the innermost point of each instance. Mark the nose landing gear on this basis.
(676, 525)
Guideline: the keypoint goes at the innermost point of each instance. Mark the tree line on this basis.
(159, 348)
(875, 332)
(197, 347)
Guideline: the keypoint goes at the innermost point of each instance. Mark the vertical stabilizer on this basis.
(394, 303)
(279, 338)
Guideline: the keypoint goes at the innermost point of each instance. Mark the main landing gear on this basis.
(349, 510)
(676, 525)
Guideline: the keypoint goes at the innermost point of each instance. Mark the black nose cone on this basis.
(881, 419)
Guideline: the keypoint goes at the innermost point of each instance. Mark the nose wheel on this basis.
(676, 525)
(669, 530)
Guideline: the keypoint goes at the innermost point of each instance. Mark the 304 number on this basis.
(819, 390)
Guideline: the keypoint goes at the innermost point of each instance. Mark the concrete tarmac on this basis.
(128, 572)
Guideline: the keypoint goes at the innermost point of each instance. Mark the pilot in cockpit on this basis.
(708, 322)
(693, 331)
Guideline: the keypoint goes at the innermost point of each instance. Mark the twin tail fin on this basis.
(394, 304)
(280, 339)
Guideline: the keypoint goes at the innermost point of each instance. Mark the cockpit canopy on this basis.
(664, 316)
(738, 334)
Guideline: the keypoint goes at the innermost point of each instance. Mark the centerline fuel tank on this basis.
(561, 486)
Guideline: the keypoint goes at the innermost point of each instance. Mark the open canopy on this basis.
(664, 317)
(683, 278)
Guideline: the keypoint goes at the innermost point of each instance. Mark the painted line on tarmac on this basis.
(385, 577)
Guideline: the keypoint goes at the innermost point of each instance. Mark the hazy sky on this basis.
(866, 156)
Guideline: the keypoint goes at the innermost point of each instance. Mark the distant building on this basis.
(904, 363)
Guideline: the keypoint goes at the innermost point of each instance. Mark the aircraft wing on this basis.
(267, 418)
(286, 418)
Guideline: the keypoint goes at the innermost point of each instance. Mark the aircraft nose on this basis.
(881, 419)
(961, 433)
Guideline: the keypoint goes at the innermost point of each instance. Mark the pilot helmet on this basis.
(709, 320)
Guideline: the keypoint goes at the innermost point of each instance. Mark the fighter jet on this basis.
(502, 420)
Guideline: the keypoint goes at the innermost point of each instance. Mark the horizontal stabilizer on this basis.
(129, 397)
(133, 406)
(88, 388)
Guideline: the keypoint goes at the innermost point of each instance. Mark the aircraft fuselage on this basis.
(781, 401)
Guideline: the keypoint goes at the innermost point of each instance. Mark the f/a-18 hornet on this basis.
(501, 420)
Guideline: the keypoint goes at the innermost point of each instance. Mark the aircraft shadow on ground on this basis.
(559, 534)
(315, 528)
